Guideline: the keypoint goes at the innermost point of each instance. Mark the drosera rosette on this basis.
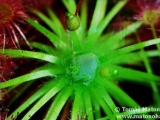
(12, 17)
(83, 66)
(148, 13)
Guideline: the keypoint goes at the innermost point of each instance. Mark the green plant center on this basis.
(150, 17)
(6, 12)
(82, 67)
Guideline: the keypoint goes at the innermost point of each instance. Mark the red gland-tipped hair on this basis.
(12, 14)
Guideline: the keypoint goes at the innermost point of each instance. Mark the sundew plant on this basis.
(83, 64)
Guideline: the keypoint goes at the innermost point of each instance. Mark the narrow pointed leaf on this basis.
(45, 48)
(44, 99)
(59, 103)
(50, 35)
(128, 49)
(88, 104)
(31, 76)
(33, 55)
(33, 98)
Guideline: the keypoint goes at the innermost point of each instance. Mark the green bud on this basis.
(107, 72)
(72, 22)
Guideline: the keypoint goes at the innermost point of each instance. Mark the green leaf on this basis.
(45, 48)
(49, 22)
(58, 103)
(88, 104)
(59, 26)
(133, 58)
(113, 54)
(76, 103)
(133, 75)
(75, 41)
(33, 55)
(18, 94)
(99, 99)
(98, 15)
(104, 94)
(93, 36)
(96, 107)
(110, 41)
(52, 92)
(50, 35)
(70, 5)
(83, 19)
(118, 93)
(33, 98)
(111, 14)
(31, 76)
